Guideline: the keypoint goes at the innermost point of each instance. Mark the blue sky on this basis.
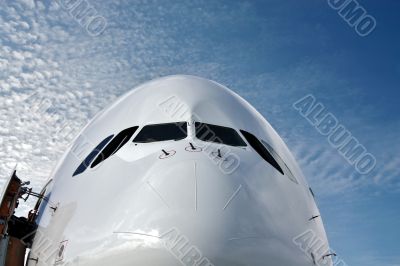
(271, 52)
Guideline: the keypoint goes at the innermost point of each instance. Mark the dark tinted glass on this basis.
(162, 132)
(261, 150)
(280, 161)
(120, 140)
(85, 164)
(218, 134)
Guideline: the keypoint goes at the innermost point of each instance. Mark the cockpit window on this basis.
(261, 150)
(120, 140)
(218, 134)
(89, 159)
(162, 132)
(281, 162)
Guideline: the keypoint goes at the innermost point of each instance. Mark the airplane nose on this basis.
(193, 213)
(190, 213)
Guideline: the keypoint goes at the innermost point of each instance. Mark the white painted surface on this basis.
(120, 213)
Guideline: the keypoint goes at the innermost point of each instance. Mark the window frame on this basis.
(221, 142)
(280, 161)
(92, 156)
(159, 124)
(264, 153)
(111, 148)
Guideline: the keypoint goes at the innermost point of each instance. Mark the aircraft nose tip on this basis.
(189, 215)
(206, 214)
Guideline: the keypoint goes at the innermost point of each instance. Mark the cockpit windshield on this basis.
(162, 132)
(218, 134)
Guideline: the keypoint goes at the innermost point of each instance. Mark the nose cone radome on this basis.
(192, 213)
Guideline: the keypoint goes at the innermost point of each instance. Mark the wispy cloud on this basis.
(271, 56)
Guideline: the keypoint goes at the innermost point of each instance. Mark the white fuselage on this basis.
(177, 202)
